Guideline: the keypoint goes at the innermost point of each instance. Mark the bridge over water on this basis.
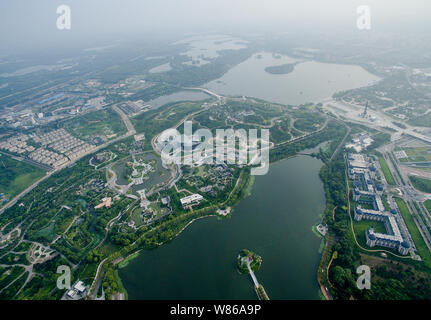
(260, 290)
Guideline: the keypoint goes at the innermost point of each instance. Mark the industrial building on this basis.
(77, 292)
(191, 199)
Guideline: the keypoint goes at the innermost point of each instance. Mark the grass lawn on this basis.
(428, 205)
(361, 226)
(47, 231)
(421, 184)
(385, 168)
(136, 216)
(88, 272)
(15, 176)
(157, 209)
(414, 231)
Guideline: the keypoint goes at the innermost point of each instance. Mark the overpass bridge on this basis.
(418, 136)
(211, 93)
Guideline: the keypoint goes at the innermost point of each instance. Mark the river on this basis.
(275, 222)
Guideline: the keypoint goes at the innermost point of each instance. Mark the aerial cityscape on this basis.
(215, 159)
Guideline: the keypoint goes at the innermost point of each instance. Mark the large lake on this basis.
(275, 222)
(178, 96)
(310, 81)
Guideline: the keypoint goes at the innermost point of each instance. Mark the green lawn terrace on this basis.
(246, 256)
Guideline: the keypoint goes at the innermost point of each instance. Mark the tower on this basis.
(365, 111)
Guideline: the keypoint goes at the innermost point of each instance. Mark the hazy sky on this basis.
(33, 22)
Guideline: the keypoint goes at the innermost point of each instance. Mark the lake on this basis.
(178, 96)
(275, 222)
(310, 81)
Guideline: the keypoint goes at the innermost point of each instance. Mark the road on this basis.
(343, 142)
(92, 292)
(130, 129)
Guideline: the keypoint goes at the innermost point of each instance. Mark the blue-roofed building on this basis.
(59, 95)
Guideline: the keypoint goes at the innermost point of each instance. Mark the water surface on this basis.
(177, 97)
(310, 81)
(275, 222)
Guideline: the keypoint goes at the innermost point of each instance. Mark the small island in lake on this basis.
(249, 262)
(248, 257)
(281, 69)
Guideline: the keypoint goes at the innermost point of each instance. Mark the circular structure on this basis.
(405, 244)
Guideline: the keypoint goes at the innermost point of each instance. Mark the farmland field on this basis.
(15, 176)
